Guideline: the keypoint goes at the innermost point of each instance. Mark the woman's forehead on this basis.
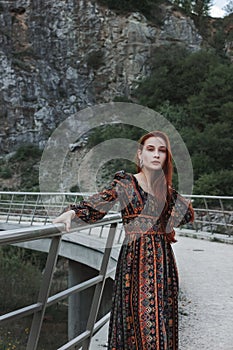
(155, 141)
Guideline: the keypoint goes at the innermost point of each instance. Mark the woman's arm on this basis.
(95, 207)
(182, 211)
(65, 218)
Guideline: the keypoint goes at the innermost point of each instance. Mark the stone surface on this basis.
(57, 57)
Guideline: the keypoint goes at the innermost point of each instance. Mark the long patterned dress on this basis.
(145, 300)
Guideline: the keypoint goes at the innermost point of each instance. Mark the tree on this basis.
(194, 92)
(229, 7)
(199, 7)
(215, 183)
(217, 90)
(202, 7)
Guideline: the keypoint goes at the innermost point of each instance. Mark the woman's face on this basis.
(154, 153)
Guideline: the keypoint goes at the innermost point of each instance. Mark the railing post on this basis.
(44, 293)
(22, 208)
(35, 208)
(100, 286)
(120, 234)
(224, 216)
(208, 215)
(9, 209)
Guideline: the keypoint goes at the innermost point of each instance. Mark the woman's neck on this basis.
(147, 179)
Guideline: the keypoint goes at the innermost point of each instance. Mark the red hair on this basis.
(167, 168)
(163, 182)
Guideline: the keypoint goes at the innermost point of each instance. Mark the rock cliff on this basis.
(57, 57)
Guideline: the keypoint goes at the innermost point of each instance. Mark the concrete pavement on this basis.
(206, 282)
(206, 298)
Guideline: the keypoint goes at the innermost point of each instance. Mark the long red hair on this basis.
(167, 168)
(163, 183)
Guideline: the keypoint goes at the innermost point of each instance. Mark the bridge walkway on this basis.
(206, 298)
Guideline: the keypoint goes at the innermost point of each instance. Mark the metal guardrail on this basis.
(213, 213)
(38, 309)
(34, 207)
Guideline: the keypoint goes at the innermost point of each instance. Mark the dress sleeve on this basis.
(97, 205)
(181, 210)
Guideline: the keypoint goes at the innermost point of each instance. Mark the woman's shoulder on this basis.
(173, 192)
(177, 198)
(123, 175)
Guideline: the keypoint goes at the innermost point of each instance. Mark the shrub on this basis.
(5, 172)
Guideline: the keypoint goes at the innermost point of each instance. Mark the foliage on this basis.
(5, 172)
(194, 92)
(24, 163)
(27, 151)
(19, 289)
(149, 8)
(107, 132)
(14, 339)
(95, 59)
(228, 8)
(127, 5)
(21, 273)
(215, 183)
(199, 7)
(176, 75)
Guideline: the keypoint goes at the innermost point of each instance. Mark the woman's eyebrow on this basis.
(160, 146)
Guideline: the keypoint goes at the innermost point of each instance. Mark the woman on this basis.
(145, 300)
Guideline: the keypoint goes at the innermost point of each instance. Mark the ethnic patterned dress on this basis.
(145, 300)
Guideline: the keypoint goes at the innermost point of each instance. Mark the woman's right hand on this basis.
(65, 218)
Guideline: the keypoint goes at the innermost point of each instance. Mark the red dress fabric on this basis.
(145, 300)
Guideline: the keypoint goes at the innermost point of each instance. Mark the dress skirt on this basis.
(145, 300)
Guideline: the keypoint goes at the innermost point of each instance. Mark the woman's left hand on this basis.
(65, 218)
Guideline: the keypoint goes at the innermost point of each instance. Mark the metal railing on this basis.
(34, 207)
(44, 300)
(212, 213)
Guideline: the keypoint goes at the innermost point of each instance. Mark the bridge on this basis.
(92, 252)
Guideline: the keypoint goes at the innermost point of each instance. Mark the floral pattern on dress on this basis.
(144, 312)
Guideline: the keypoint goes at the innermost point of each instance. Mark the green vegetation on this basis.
(5, 172)
(149, 8)
(24, 164)
(199, 7)
(21, 273)
(143, 6)
(194, 91)
(95, 59)
(15, 291)
(229, 7)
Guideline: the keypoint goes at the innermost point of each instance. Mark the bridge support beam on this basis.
(79, 303)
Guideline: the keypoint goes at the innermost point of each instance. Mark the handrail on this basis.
(38, 309)
(90, 193)
(50, 230)
(211, 215)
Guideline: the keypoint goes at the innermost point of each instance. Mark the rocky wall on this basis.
(57, 57)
